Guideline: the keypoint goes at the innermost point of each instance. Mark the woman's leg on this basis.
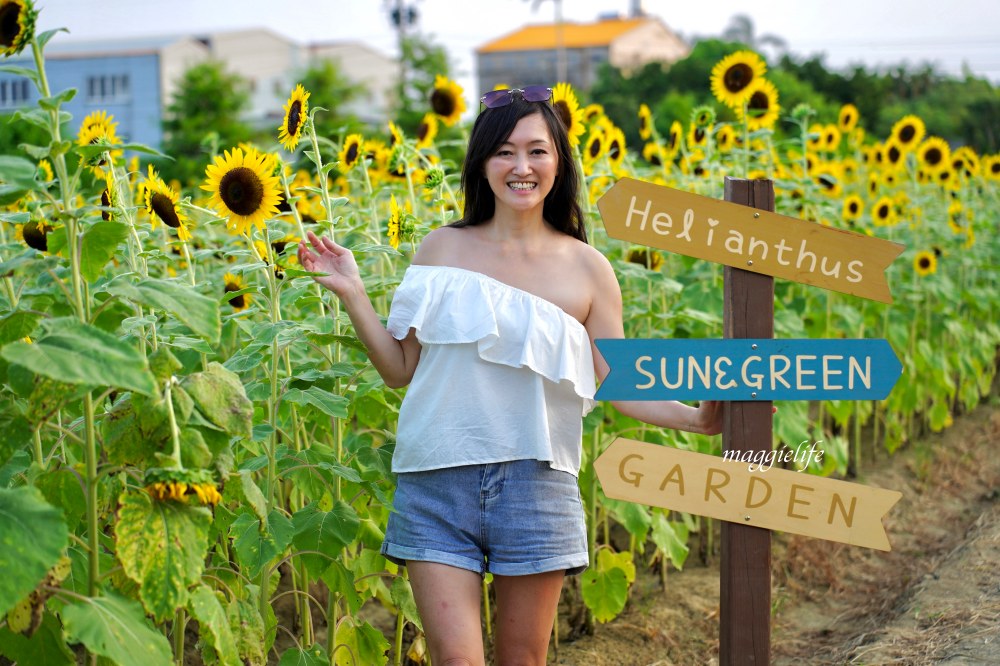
(448, 600)
(526, 609)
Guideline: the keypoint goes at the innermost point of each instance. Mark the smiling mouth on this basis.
(522, 187)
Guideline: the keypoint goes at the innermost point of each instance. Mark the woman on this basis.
(493, 328)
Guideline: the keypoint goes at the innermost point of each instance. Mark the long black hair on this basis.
(492, 128)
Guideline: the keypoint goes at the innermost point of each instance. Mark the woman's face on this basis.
(523, 169)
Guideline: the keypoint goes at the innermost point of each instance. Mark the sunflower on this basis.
(761, 105)
(848, 118)
(908, 132)
(675, 138)
(884, 213)
(991, 167)
(925, 263)
(426, 131)
(592, 112)
(45, 171)
(17, 25)
(831, 137)
(874, 183)
(242, 189)
(827, 176)
(703, 116)
(957, 217)
(296, 114)
(853, 208)
(567, 107)
(934, 154)
(34, 234)
(732, 77)
(395, 135)
(965, 162)
(645, 122)
(446, 100)
(650, 259)
(109, 197)
(235, 283)
(350, 152)
(395, 222)
(814, 137)
(616, 147)
(725, 138)
(595, 146)
(894, 155)
(654, 153)
(697, 137)
(99, 134)
(161, 204)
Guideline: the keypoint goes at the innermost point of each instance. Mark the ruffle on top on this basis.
(513, 327)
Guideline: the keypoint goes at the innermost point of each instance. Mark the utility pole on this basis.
(402, 16)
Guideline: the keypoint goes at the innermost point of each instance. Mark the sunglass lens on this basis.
(536, 93)
(496, 98)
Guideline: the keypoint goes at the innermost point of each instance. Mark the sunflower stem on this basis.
(175, 434)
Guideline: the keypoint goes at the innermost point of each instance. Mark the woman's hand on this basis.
(342, 275)
(709, 418)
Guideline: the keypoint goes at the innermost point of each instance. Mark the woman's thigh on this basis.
(448, 600)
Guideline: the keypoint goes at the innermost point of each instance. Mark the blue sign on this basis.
(748, 369)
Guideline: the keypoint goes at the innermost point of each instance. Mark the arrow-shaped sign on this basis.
(742, 490)
(748, 369)
(748, 238)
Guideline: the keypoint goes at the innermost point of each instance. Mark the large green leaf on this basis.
(256, 549)
(17, 325)
(325, 532)
(162, 547)
(18, 171)
(214, 624)
(114, 627)
(360, 643)
(78, 353)
(195, 310)
(32, 537)
(604, 592)
(61, 488)
(671, 539)
(45, 647)
(248, 628)
(328, 403)
(99, 244)
(314, 656)
(220, 397)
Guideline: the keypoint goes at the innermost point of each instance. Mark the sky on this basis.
(877, 33)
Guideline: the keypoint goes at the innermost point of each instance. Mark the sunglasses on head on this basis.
(497, 98)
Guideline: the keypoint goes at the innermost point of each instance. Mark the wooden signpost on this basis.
(759, 241)
(755, 245)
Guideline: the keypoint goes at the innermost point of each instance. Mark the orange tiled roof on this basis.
(575, 35)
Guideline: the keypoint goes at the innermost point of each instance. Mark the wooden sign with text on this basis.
(748, 369)
(727, 489)
(751, 239)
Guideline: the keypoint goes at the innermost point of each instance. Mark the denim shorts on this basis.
(510, 519)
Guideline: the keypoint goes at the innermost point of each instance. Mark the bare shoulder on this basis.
(598, 268)
(439, 245)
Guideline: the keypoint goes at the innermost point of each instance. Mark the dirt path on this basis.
(934, 599)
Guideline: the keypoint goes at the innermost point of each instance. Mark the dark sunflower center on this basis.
(352, 153)
(442, 102)
(283, 205)
(827, 182)
(995, 168)
(759, 103)
(9, 27)
(279, 246)
(594, 149)
(924, 262)
(883, 211)
(562, 110)
(906, 133)
(237, 302)
(702, 119)
(654, 159)
(853, 208)
(106, 202)
(423, 130)
(848, 119)
(674, 138)
(164, 209)
(933, 156)
(242, 191)
(294, 118)
(893, 154)
(737, 77)
(35, 236)
(699, 135)
(614, 150)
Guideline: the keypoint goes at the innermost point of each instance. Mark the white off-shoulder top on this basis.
(503, 374)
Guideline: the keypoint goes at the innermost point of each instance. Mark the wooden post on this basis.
(745, 576)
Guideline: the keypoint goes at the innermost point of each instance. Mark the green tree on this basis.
(206, 109)
(422, 60)
(331, 89)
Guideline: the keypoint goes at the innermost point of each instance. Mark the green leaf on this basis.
(114, 627)
(32, 538)
(45, 647)
(604, 592)
(667, 538)
(314, 656)
(162, 546)
(21, 71)
(99, 244)
(340, 580)
(248, 628)
(52, 103)
(195, 310)
(18, 171)
(17, 325)
(242, 487)
(323, 531)
(608, 559)
(44, 37)
(402, 597)
(256, 550)
(61, 488)
(16, 434)
(213, 621)
(360, 643)
(328, 403)
(78, 353)
(220, 397)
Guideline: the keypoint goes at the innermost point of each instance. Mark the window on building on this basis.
(14, 93)
(108, 88)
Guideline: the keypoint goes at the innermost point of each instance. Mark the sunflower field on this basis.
(195, 459)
